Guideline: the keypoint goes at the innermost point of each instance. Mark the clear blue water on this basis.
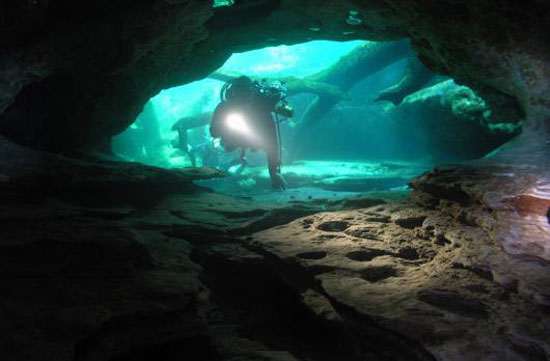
(172, 104)
(358, 131)
(203, 96)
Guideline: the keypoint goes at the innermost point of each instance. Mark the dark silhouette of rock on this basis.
(101, 260)
(72, 84)
(415, 77)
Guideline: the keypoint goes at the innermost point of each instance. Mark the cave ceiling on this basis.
(74, 75)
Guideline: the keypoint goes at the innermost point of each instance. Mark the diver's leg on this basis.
(273, 150)
(192, 158)
(274, 166)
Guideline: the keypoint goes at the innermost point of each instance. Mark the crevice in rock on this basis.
(453, 303)
(389, 345)
(366, 255)
(333, 226)
(370, 340)
(378, 273)
(264, 314)
(312, 255)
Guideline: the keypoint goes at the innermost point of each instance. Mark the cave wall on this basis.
(79, 74)
(72, 76)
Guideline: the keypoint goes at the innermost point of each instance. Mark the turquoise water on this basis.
(437, 122)
(203, 96)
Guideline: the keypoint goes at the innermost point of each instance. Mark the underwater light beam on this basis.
(237, 122)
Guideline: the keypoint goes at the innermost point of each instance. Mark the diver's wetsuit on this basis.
(258, 110)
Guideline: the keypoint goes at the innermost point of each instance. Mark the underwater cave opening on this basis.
(367, 116)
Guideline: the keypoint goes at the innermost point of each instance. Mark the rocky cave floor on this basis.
(128, 262)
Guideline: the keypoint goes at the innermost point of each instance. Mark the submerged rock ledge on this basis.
(22, 167)
(459, 271)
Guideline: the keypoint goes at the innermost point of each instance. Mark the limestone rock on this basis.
(80, 284)
(511, 205)
(452, 121)
(24, 167)
(463, 276)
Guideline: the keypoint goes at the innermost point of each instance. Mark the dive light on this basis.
(237, 122)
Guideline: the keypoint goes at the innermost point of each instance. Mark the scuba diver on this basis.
(182, 142)
(248, 118)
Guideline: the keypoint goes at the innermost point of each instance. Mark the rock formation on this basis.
(107, 261)
(94, 67)
(415, 77)
(459, 273)
(453, 122)
(117, 261)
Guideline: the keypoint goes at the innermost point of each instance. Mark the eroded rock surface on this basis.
(108, 266)
(460, 274)
(100, 260)
(511, 205)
